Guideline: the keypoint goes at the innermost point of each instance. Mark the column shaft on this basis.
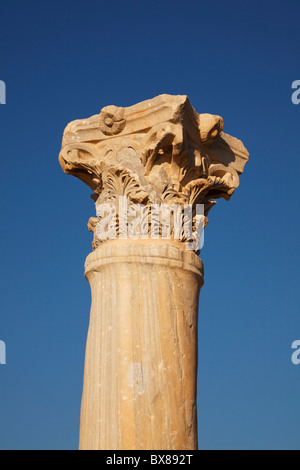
(141, 355)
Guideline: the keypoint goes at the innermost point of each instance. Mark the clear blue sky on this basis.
(66, 60)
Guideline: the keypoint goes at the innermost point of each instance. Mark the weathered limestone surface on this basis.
(140, 369)
(141, 356)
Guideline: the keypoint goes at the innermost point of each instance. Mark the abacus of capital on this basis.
(140, 375)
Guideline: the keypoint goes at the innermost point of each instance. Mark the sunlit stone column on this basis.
(141, 355)
(140, 370)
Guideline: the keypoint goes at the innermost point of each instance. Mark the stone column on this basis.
(140, 370)
(145, 274)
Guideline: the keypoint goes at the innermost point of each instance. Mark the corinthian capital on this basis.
(158, 151)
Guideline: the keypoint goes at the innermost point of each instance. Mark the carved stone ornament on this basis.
(140, 373)
(158, 151)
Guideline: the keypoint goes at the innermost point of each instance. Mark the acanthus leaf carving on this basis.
(120, 182)
(160, 151)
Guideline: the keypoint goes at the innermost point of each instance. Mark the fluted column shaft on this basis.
(141, 355)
